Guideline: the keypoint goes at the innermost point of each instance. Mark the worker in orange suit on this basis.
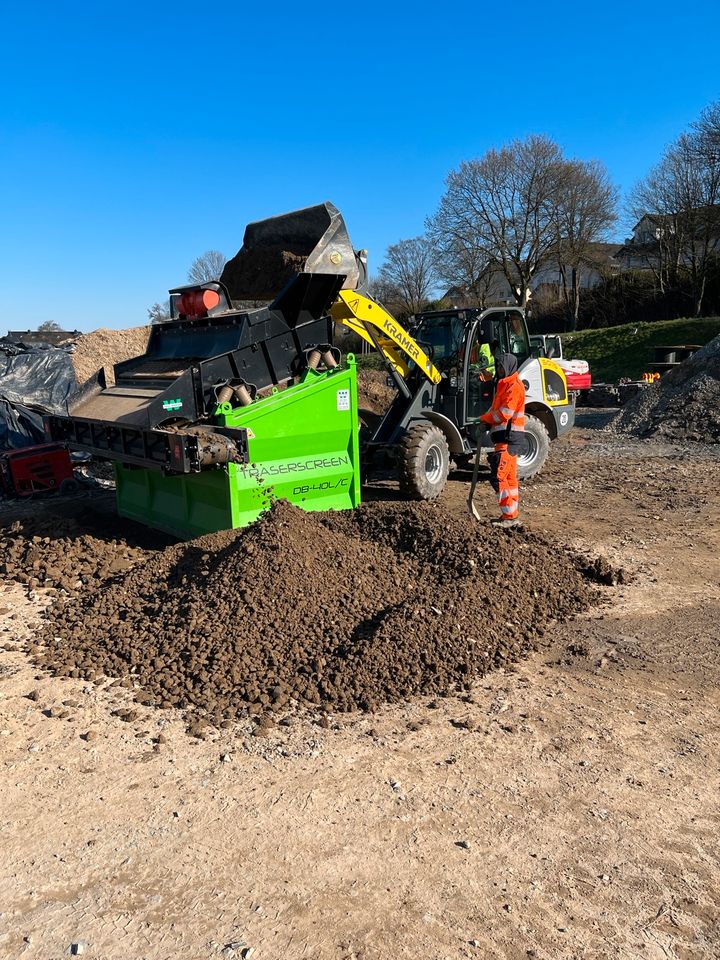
(506, 422)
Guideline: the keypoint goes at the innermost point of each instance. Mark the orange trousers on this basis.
(508, 492)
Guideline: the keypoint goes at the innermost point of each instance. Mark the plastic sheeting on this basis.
(19, 426)
(34, 380)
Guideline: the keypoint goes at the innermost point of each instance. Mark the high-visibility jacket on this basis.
(481, 358)
(506, 416)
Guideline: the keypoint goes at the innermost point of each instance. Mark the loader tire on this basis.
(424, 462)
(537, 441)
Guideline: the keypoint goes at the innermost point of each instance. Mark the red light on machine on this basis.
(196, 303)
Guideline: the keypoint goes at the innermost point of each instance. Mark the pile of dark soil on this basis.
(70, 554)
(338, 611)
(260, 273)
(683, 405)
(374, 394)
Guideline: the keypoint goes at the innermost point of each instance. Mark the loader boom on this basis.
(376, 326)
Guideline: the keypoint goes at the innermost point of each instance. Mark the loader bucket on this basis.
(274, 251)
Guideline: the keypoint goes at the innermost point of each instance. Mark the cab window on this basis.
(514, 335)
(444, 336)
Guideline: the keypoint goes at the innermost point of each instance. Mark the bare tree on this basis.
(49, 326)
(680, 202)
(409, 271)
(159, 312)
(704, 144)
(208, 266)
(585, 209)
(708, 130)
(463, 265)
(501, 207)
(385, 293)
(653, 204)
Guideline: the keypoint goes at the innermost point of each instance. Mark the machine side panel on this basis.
(303, 447)
(185, 506)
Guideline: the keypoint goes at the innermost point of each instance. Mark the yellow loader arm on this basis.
(380, 329)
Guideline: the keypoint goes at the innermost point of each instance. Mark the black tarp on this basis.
(19, 426)
(34, 379)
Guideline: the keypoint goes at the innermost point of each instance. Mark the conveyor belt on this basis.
(122, 404)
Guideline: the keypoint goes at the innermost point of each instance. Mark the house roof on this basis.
(602, 252)
(41, 336)
(661, 217)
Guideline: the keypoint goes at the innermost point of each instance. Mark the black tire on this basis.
(68, 487)
(424, 462)
(537, 443)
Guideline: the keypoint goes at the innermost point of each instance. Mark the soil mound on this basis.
(68, 554)
(104, 348)
(338, 611)
(374, 394)
(683, 405)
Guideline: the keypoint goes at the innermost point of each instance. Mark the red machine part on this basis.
(196, 303)
(578, 381)
(40, 469)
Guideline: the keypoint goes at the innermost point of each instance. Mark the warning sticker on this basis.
(343, 399)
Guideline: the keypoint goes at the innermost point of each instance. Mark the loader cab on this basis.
(443, 335)
(460, 342)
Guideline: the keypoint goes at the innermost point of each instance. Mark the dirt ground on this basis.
(566, 808)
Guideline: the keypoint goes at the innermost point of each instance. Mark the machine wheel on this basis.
(424, 462)
(68, 487)
(537, 441)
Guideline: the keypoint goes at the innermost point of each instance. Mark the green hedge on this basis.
(626, 351)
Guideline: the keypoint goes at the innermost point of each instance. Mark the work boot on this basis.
(506, 524)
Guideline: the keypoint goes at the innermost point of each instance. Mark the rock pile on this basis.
(683, 405)
(336, 611)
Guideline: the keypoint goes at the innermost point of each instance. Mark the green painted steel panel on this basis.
(303, 446)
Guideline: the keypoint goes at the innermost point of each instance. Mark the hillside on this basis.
(626, 351)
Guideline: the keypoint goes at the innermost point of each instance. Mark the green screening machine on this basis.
(241, 397)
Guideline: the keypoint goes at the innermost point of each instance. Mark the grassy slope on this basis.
(626, 351)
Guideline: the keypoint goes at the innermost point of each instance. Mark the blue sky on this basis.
(135, 136)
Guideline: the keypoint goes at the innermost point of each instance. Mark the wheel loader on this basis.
(243, 396)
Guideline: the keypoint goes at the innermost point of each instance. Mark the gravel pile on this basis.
(336, 611)
(683, 405)
(104, 348)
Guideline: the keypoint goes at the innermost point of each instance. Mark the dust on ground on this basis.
(563, 806)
